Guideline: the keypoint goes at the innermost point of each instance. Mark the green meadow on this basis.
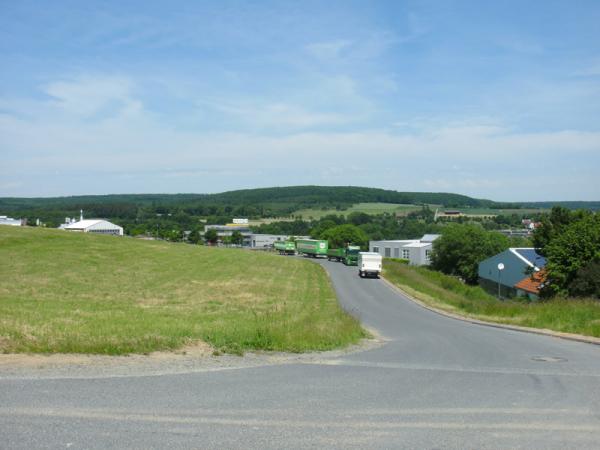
(64, 292)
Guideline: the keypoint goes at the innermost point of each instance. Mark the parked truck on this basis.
(348, 255)
(369, 264)
(285, 247)
(311, 247)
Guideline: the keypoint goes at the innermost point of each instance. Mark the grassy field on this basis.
(449, 294)
(368, 208)
(81, 293)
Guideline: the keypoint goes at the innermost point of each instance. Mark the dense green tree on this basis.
(236, 238)
(569, 252)
(211, 236)
(461, 248)
(551, 225)
(321, 227)
(587, 281)
(342, 235)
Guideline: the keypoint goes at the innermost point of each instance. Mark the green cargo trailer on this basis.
(311, 247)
(336, 254)
(285, 247)
(348, 255)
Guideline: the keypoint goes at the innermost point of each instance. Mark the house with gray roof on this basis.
(515, 264)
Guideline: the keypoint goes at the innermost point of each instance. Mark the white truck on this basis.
(369, 264)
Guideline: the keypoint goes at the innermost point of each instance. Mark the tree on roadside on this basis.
(460, 249)
(341, 235)
(551, 225)
(587, 281)
(572, 257)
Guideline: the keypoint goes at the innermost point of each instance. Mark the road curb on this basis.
(541, 331)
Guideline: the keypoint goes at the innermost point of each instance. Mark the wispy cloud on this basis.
(133, 148)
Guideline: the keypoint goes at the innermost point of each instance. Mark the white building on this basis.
(98, 226)
(416, 251)
(4, 220)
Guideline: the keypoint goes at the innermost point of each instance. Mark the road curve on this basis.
(436, 383)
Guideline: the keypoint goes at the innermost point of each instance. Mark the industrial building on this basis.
(98, 226)
(416, 251)
(500, 273)
(4, 220)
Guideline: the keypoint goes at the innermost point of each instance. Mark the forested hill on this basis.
(264, 202)
(281, 198)
(310, 196)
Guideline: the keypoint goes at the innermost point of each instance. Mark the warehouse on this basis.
(5, 220)
(416, 251)
(98, 226)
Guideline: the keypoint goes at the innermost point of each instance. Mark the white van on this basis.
(369, 264)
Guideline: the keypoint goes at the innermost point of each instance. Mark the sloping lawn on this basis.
(81, 293)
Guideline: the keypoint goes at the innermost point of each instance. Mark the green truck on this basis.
(311, 247)
(348, 255)
(285, 247)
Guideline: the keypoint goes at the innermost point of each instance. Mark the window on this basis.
(405, 253)
(388, 252)
(427, 254)
(376, 249)
(396, 253)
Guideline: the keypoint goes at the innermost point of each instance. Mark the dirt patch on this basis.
(13, 360)
(193, 358)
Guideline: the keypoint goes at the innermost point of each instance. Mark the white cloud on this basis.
(86, 95)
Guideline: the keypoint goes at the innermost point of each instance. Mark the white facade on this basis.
(10, 221)
(416, 251)
(98, 226)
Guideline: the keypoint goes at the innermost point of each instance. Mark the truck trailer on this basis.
(369, 264)
(311, 247)
(285, 247)
(348, 255)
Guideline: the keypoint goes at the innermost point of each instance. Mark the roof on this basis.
(533, 283)
(418, 245)
(529, 256)
(83, 224)
(429, 237)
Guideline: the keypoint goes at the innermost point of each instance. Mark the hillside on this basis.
(81, 293)
(262, 202)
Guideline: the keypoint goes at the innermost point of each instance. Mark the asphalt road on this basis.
(436, 383)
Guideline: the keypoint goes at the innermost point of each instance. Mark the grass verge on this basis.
(449, 294)
(64, 292)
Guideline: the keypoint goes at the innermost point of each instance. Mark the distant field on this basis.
(368, 208)
(80, 293)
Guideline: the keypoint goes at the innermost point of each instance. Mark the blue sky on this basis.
(496, 100)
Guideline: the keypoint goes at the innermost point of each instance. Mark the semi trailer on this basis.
(348, 255)
(312, 247)
(285, 247)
